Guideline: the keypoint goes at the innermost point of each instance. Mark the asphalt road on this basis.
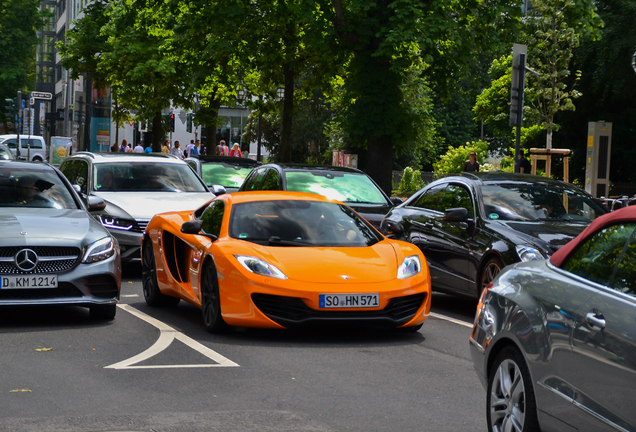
(157, 369)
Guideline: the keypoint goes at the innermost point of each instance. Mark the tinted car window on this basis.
(532, 202)
(625, 278)
(596, 258)
(272, 180)
(430, 199)
(253, 182)
(341, 186)
(456, 196)
(11, 142)
(307, 223)
(34, 143)
(212, 218)
(28, 188)
(70, 169)
(147, 177)
(223, 174)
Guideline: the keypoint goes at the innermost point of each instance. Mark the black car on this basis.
(227, 171)
(472, 225)
(349, 185)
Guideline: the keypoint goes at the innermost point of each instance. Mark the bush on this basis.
(410, 183)
(453, 160)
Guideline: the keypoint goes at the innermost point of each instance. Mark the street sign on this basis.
(41, 95)
(32, 101)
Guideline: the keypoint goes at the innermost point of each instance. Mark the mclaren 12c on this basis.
(282, 260)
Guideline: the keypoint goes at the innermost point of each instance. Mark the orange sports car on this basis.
(280, 260)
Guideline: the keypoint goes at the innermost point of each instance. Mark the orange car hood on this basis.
(376, 263)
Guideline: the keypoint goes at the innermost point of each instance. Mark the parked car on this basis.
(51, 250)
(135, 187)
(281, 260)
(349, 185)
(226, 171)
(5, 153)
(471, 226)
(554, 341)
(32, 147)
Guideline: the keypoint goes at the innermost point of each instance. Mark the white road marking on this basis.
(167, 335)
(453, 320)
(130, 295)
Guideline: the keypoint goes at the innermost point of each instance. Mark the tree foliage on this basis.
(454, 159)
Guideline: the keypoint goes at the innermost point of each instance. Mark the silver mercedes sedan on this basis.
(554, 341)
(52, 251)
(135, 187)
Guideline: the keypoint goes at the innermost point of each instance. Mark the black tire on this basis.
(488, 272)
(152, 295)
(102, 312)
(510, 396)
(211, 301)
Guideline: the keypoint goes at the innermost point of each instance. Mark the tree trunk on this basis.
(210, 144)
(380, 162)
(157, 132)
(285, 153)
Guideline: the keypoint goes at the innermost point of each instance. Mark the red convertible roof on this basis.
(627, 214)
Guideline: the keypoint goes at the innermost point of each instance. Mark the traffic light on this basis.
(189, 123)
(171, 122)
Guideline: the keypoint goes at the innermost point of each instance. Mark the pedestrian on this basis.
(236, 150)
(124, 147)
(189, 147)
(222, 149)
(194, 151)
(165, 147)
(177, 151)
(138, 148)
(148, 148)
(471, 164)
(114, 148)
(524, 164)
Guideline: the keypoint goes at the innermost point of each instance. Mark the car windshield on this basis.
(146, 177)
(534, 202)
(341, 186)
(300, 223)
(224, 174)
(33, 188)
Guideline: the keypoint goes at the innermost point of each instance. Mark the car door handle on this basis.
(596, 320)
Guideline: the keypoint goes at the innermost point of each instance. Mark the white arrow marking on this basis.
(167, 335)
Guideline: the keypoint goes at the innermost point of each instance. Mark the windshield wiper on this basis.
(277, 241)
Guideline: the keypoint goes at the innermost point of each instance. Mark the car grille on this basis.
(140, 225)
(292, 311)
(52, 259)
(64, 290)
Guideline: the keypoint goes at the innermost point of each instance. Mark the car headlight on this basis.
(528, 253)
(99, 250)
(260, 267)
(115, 223)
(409, 267)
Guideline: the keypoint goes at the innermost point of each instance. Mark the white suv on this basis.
(31, 147)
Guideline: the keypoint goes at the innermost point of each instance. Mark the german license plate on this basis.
(327, 301)
(26, 282)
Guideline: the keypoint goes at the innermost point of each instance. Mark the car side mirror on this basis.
(396, 200)
(95, 203)
(77, 188)
(194, 227)
(218, 189)
(456, 215)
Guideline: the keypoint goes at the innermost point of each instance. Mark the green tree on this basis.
(454, 159)
(19, 22)
(383, 37)
(553, 29)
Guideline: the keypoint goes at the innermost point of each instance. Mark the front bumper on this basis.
(84, 284)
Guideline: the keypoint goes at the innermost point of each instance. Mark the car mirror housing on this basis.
(396, 200)
(456, 215)
(194, 227)
(218, 189)
(95, 203)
